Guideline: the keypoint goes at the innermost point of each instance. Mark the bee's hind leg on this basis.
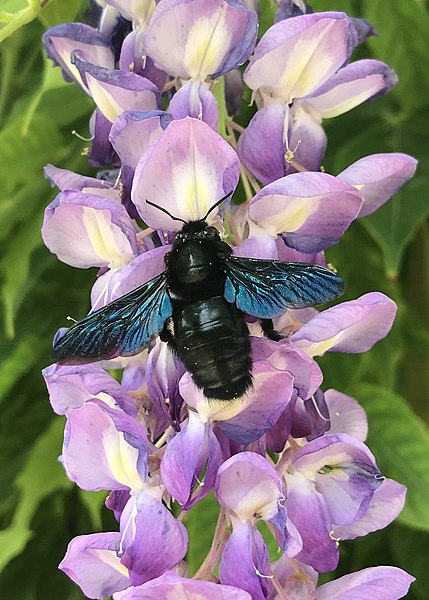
(268, 330)
(167, 335)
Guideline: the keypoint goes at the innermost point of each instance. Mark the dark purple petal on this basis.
(245, 562)
(195, 100)
(101, 153)
(308, 512)
(264, 403)
(261, 145)
(193, 451)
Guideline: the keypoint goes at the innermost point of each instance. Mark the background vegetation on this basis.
(40, 510)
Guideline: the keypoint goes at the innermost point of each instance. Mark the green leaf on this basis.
(58, 11)
(201, 524)
(27, 154)
(409, 549)
(400, 442)
(20, 15)
(94, 503)
(394, 225)
(15, 269)
(41, 476)
(402, 43)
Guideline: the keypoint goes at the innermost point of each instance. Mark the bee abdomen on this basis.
(212, 340)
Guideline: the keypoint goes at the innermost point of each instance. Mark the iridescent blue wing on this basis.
(266, 288)
(123, 327)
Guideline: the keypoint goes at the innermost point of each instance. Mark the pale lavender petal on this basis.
(71, 386)
(308, 512)
(374, 583)
(261, 145)
(378, 177)
(117, 283)
(138, 12)
(296, 56)
(347, 415)
(296, 588)
(311, 210)
(351, 86)
(85, 230)
(344, 472)
(131, 134)
(245, 561)
(386, 504)
(152, 539)
(198, 38)
(60, 41)
(115, 91)
(353, 326)
(271, 392)
(92, 563)
(104, 448)
(247, 484)
(185, 458)
(186, 171)
(68, 180)
(195, 100)
(171, 586)
(134, 131)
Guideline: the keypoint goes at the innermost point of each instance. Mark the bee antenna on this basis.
(164, 210)
(217, 204)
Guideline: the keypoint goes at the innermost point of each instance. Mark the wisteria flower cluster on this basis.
(166, 83)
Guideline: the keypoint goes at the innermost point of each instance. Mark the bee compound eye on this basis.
(210, 232)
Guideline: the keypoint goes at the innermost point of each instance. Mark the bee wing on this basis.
(125, 326)
(266, 288)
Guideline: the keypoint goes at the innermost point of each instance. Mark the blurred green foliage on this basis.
(388, 251)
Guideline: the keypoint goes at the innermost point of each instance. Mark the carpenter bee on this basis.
(198, 306)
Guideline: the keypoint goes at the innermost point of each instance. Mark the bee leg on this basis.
(166, 335)
(268, 330)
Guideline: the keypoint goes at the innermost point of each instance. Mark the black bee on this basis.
(198, 306)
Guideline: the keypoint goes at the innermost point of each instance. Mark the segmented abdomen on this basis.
(212, 340)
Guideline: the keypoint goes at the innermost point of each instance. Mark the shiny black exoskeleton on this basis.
(198, 306)
(210, 334)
